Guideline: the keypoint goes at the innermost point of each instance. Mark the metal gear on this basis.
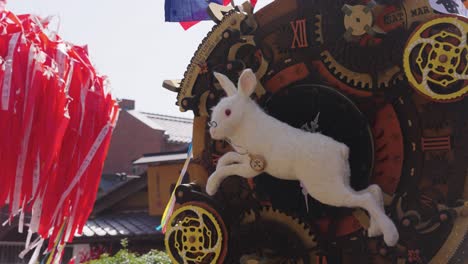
(196, 234)
(232, 20)
(434, 222)
(359, 54)
(298, 246)
(234, 34)
(454, 250)
(359, 80)
(436, 59)
(247, 49)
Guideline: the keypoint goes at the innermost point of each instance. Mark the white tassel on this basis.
(8, 71)
(30, 247)
(5, 100)
(28, 238)
(36, 174)
(35, 255)
(36, 213)
(21, 220)
(73, 214)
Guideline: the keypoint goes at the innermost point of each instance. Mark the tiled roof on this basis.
(125, 224)
(147, 159)
(110, 182)
(177, 129)
(119, 192)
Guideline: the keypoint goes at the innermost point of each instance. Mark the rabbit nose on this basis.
(212, 124)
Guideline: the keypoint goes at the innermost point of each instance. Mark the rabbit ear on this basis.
(247, 82)
(226, 84)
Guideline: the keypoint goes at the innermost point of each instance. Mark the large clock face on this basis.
(388, 80)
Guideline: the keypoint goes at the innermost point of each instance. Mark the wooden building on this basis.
(138, 133)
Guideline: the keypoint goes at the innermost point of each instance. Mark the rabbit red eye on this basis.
(228, 112)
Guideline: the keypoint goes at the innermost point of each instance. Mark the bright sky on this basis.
(130, 42)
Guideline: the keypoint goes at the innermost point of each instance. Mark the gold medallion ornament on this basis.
(196, 234)
(435, 59)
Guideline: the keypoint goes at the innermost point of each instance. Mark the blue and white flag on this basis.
(188, 10)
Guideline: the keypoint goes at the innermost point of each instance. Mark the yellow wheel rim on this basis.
(435, 59)
(196, 234)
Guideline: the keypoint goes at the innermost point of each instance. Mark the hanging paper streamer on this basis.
(56, 120)
(170, 205)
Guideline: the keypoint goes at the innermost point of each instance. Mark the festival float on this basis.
(386, 78)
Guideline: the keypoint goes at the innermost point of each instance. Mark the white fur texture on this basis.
(318, 161)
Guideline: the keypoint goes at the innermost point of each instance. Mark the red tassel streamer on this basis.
(56, 122)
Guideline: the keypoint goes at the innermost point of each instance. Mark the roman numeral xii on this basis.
(299, 28)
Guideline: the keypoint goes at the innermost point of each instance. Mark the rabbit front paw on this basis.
(212, 185)
(374, 229)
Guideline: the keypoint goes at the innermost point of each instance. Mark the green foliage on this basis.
(126, 257)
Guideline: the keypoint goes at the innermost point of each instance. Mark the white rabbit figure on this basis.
(319, 162)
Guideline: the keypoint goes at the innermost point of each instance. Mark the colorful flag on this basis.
(187, 10)
(190, 12)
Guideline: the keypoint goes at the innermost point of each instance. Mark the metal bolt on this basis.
(443, 58)
(383, 251)
(443, 217)
(180, 194)
(192, 239)
(406, 222)
(347, 10)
